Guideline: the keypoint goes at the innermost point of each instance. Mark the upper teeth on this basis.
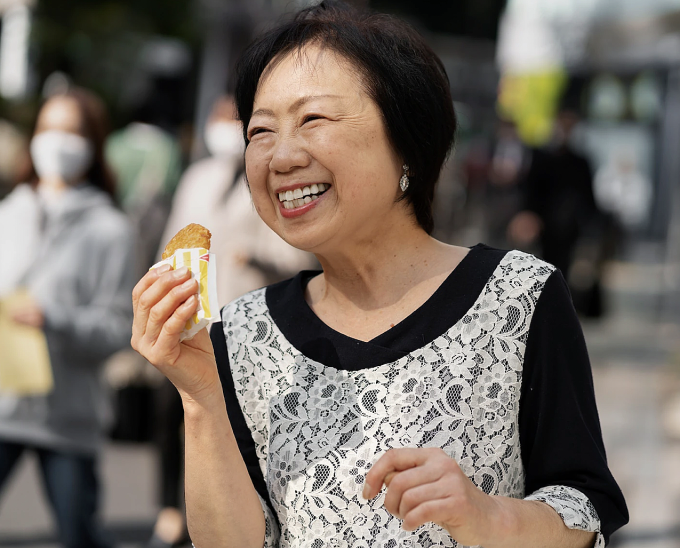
(301, 196)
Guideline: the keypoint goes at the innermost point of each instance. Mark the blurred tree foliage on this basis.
(97, 43)
(469, 18)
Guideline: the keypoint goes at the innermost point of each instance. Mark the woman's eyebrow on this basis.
(302, 100)
(295, 106)
(263, 112)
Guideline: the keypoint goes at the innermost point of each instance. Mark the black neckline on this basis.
(319, 342)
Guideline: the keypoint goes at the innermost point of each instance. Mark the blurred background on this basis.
(568, 147)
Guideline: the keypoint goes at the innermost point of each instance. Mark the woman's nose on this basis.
(288, 155)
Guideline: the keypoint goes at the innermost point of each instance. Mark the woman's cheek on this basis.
(257, 164)
(254, 154)
(262, 200)
(324, 141)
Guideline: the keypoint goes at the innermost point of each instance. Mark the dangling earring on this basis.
(403, 182)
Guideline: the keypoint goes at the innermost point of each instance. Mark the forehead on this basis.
(312, 70)
(60, 113)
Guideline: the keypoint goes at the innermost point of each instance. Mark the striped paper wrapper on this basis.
(201, 263)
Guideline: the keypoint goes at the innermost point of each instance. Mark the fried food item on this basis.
(193, 235)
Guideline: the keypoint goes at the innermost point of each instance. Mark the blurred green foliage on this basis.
(97, 44)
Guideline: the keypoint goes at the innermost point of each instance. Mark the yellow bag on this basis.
(25, 367)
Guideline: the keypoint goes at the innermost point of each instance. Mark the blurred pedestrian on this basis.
(505, 175)
(214, 193)
(623, 191)
(147, 161)
(559, 202)
(68, 245)
(562, 219)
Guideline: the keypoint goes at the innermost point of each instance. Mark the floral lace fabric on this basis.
(317, 429)
(574, 508)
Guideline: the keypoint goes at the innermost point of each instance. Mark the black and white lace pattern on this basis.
(574, 508)
(317, 429)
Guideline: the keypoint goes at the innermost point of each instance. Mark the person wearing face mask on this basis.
(213, 192)
(72, 251)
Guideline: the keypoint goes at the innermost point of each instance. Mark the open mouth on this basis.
(301, 196)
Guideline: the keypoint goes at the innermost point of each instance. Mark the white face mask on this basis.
(61, 154)
(225, 140)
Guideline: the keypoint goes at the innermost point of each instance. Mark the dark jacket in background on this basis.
(559, 189)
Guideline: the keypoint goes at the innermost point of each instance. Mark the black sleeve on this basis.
(244, 437)
(559, 427)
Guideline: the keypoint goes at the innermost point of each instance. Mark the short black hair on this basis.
(401, 74)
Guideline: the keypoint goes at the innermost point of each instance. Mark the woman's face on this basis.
(313, 124)
(59, 149)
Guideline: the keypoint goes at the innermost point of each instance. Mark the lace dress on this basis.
(313, 409)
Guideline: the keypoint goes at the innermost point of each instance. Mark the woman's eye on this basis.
(311, 118)
(256, 131)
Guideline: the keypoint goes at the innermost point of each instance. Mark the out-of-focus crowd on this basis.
(546, 200)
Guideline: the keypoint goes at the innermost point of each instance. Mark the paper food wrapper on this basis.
(201, 263)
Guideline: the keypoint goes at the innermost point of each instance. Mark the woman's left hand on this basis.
(426, 485)
(29, 314)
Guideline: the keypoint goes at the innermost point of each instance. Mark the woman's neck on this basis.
(52, 185)
(376, 274)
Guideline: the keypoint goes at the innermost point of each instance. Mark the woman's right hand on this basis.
(163, 301)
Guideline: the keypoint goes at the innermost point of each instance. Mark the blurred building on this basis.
(16, 77)
(616, 60)
(618, 63)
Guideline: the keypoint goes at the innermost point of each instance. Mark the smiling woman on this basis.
(411, 393)
(314, 124)
(380, 62)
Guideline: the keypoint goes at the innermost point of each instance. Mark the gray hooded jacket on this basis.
(82, 273)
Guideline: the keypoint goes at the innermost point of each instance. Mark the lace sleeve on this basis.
(271, 526)
(574, 508)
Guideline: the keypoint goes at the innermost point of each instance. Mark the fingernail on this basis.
(163, 268)
(180, 273)
(367, 491)
(188, 284)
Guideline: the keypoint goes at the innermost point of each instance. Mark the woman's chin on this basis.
(304, 242)
(306, 238)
